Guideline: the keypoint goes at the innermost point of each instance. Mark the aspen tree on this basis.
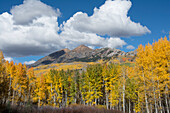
(105, 75)
(50, 84)
(115, 85)
(161, 60)
(40, 89)
(31, 84)
(140, 61)
(3, 80)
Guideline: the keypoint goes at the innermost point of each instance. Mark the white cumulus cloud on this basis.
(30, 10)
(8, 59)
(29, 62)
(130, 47)
(39, 37)
(74, 38)
(110, 19)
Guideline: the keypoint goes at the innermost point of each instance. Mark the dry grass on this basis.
(44, 69)
(48, 109)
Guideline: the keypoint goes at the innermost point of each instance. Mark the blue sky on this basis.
(155, 15)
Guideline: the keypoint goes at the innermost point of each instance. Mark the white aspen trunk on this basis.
(55, 97)
(88, 94)
(151, 107)
(156, 109)
(51, 94)
(134, 108)
(129, 106)
(84, 102)
(76, 93)
(3, 100)
(169, 100)
(95, 101)
(75, 100)
(138, 98)
(111, 100)
(153, 82)
(62, 100)
(98, 101)
(146, 100)
(66, 99)
(166, 101)
(13, 96)
(54, 101)
(111, 104)
(20, 95)
(81, 96)
(9, 93)
(120, 106)
(163, 109)
(123, 98)
(124, 92)
(29, 91)
(39, 101)
(167, 87)
(160, 103)
(107, 102)
(90, 103)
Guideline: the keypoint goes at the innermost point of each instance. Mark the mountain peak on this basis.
(82, 45)
(82, 53)
(66, 50)
(82, 48)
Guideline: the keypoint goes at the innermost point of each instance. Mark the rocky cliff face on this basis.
(81, 53)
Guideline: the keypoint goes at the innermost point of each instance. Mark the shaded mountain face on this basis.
(50, 58)
(81, 53)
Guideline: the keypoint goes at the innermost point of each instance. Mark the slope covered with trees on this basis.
(140, 88)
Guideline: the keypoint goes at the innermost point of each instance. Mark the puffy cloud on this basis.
(115, 43)
(130, 47)
(110, 19)
(29, 62)
(40, 37)
(9, 59)
(74, 38)
(32, 28)
(30, 10)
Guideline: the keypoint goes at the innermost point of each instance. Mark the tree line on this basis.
(143, 87)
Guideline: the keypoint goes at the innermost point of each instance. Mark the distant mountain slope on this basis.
(81, 53)
(50, 58)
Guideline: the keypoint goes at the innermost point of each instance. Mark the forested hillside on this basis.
(143, 87)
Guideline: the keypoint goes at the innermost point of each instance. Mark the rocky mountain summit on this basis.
(81, 53)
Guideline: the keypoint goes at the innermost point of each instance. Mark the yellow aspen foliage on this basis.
(114, 84)
(31, 84)
(40, 90)
(3, 80)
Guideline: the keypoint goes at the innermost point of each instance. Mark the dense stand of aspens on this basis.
(140, 88)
